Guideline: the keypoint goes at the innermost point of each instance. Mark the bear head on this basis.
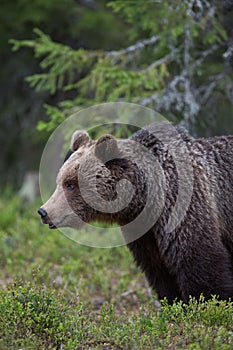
(99, 181)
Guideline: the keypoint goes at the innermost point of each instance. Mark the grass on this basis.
(56, 294)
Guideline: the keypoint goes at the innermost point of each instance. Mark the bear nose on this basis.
(42, 213)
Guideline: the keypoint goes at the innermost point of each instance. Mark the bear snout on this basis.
(45, 218)
(42, 213)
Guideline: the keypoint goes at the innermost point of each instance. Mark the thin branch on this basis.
(208, 89)
(140, 45)
(165, 59)
(128, 292)
(203, 57)
(229, 53)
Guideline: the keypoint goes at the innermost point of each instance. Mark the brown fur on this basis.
(195, 257)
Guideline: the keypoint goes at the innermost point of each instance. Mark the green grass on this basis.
(56, 294)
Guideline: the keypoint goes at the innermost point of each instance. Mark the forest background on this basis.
(60, 56)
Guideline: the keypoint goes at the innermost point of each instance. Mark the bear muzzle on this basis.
(45, 218)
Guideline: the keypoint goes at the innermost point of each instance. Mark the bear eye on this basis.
(70, 186)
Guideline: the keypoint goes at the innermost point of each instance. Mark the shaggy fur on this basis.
(196, 257)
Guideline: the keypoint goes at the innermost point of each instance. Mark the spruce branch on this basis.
(140, 45)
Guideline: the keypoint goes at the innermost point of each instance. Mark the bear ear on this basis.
(79, 138)
(106, 148)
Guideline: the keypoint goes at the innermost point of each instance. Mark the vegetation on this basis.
(75, 23)
(173, 56)
(178, 61)
(56, 294)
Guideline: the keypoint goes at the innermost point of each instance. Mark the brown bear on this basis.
(106, 180)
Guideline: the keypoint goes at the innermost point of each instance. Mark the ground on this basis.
(56, 294)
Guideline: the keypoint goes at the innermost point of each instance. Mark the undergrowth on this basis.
(56, 294)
